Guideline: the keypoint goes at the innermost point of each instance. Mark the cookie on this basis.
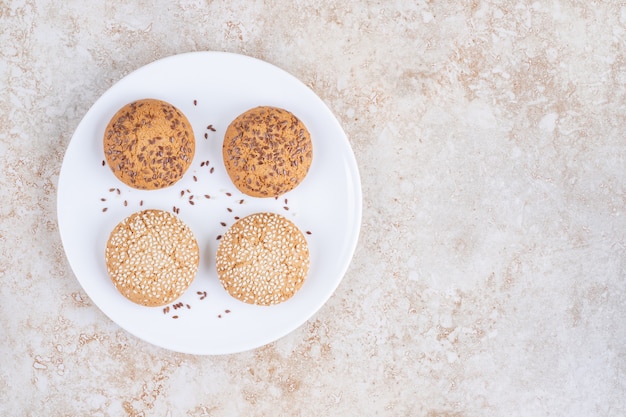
(149, 144)
(263, 259)
(267, 151)
(152, 257)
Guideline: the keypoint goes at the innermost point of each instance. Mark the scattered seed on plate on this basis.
(206, 135)
(218, 237)
(308, 232)
(212, 169)
(207, 196)
(104, 209)
(211, 128)
(174, 317)
(223, 224)
(195, 102)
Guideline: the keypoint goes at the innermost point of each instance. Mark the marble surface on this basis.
(490, 275)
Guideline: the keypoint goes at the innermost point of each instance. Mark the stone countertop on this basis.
(490, 274)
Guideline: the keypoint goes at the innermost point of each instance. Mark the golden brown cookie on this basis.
(152, 257)
(263, 259)
(267, 151)
(149, 144)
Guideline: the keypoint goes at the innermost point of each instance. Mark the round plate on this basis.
(211, 89)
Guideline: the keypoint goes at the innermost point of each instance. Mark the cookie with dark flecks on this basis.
(263, 259)
(267, 151)
(149, 144)
(152, 257)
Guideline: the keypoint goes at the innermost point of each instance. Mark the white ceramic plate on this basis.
(211, 88)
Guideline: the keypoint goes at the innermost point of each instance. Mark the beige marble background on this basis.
(490, 277)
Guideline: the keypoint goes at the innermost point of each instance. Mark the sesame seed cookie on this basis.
(149, 144)
(263, 259)
(152, 257)
(267, 151)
